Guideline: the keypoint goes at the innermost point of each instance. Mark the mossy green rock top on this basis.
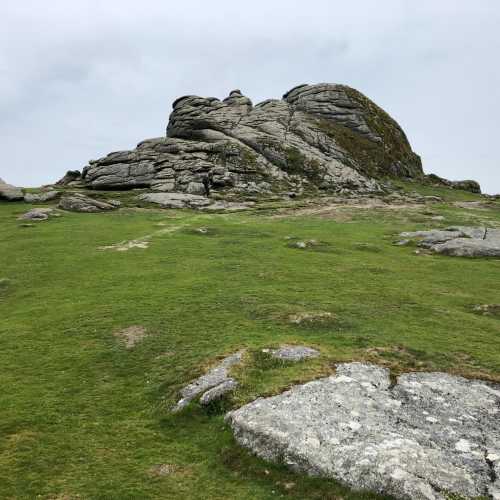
(318, 137)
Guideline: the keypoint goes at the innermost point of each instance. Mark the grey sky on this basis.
(82, 78)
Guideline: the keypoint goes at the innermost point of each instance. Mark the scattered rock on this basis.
(124, 246)
(162, 470)
(77, 202)
(229, 206)
(215, 377)
(428, 434)
(38, 214)
(487, 309)
(402, 243)
(9, 192)
(41, 197)
(293, 352)
(132, 335)
(460, 241)
(304, 244)
(218, 392)
(175, 200)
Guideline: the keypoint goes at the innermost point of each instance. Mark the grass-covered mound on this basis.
(84, 416)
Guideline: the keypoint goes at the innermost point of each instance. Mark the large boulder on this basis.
(77, 202)
(325, 136)
(459, 241)
(428, 436)
(9, 192)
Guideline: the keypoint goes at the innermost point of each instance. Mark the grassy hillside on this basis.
(81, 416)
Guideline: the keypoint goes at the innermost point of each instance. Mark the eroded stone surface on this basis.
(219, 391)
(176, 200)
(429, 434)
(293, 352)
(460, 241)
(39, 214)
(78, 202)
(214, 377)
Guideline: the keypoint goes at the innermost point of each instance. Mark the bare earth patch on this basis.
(131, 335)
(311, 318)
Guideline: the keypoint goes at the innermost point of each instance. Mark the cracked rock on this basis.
(428, 434)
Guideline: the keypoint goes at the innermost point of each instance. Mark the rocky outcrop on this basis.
(9, 192)
(467, 185)
(429, 436)
(459, 241)
(325, 136)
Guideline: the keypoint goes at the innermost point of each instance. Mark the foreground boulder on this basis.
(460, 241)
(9, 192)
(77, 202)
(327, 136)
(429, 435)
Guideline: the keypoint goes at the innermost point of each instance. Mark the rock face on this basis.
(325, 136)
(428, 435)
(460, 241)
(9, 192)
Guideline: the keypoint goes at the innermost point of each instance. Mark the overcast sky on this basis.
(81, 78)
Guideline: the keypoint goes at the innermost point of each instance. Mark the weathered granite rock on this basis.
(428, 435)
(176, 200)
(293, 352)
(77, 202)
(213, 378)
(70, 178)
(460, 241)
(219, 391)
(39, 214)
(41, 197)
(9, 192)
(325, 136)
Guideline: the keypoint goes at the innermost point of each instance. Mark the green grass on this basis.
(84, 417)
